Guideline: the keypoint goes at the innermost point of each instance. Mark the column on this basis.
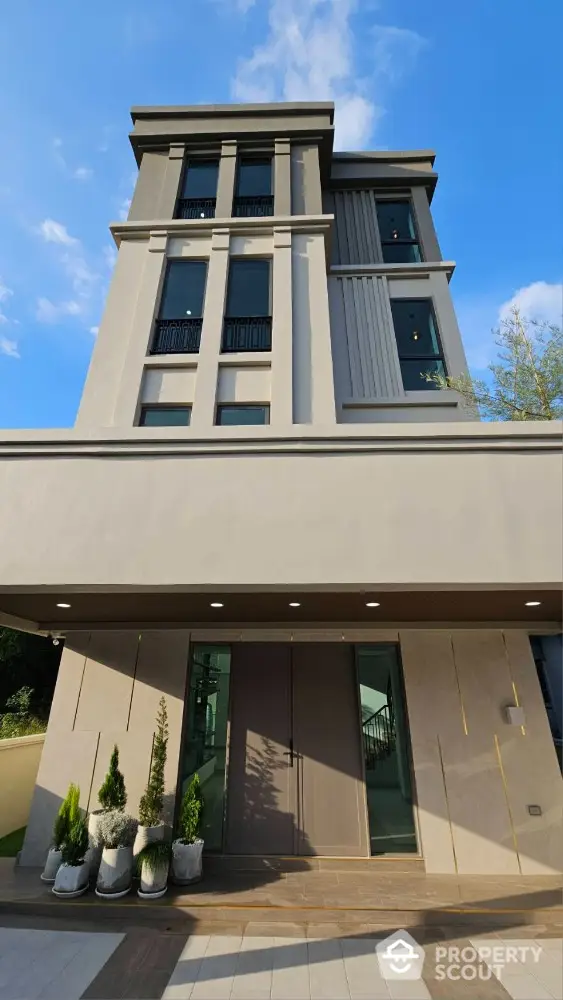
(425, 224)
(226, 182)
(281, 409)
(171, 182)
(322, 374)
(203, 410)
(282, 177)
(141, 330)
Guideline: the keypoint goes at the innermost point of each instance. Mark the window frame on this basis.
(413, 241)
(184, 199)
(441, 356)
(243, 406)
(146, 407)
(236, 258)
(240, 200)
(184, 262)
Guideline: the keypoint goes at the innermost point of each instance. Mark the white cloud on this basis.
(9, 347)
(83, 173)
(310, 53)
(82, 277)
(110, 256)
(77, 173)
(540, 300)
(94, 330)
(5, 294)
(56, 232)
(52, 312)
(124, 208)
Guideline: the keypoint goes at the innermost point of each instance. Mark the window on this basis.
(248, 322)
(165, 416)
(253, 194)
(397, 232)
(199, 190)
(241, 414)
(418, 342)
(178, 327)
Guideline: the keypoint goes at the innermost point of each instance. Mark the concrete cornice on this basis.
(535, 436)
(215, 110)
(387, 156)
(395, 270)
(145, 229)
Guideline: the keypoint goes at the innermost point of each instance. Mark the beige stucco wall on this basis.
(107, 692)
(475, 775)
(19, 762)
(457, 509)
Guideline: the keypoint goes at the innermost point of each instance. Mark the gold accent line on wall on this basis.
(447, 802)
(134, 678)
(88, 810)
(81, 679)
(461, 705)
(505, 786)
(509, 668)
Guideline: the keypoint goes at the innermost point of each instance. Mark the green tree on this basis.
(67, 815)
(19, 719)
(527, 381)
(151, 804)
(112, 794)
(30, 661)
(190, 812)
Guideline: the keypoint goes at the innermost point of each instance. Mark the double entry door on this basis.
(295, 783)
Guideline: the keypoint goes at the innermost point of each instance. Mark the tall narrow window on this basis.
(248, 322)
(199, 190)
(205, 741)
(399, 241)
(253, 194)
(178, 327)
(418, 343)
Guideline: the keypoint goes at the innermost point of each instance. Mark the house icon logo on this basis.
(400, 957)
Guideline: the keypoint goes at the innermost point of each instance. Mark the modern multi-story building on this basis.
(329, 568)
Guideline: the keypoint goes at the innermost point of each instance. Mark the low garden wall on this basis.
(19, 763)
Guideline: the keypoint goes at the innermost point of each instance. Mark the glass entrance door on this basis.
(386, 750)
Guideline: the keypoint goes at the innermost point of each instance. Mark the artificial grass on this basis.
(12, 843)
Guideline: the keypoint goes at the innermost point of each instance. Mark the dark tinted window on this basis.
(165, 416)
(418, 343)
(401, 253)
(248, 291)
(184, 288)
(200, 179)
(395, 220)
(254, 177)
(231, 416)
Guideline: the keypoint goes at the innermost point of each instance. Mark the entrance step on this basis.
(219, 864)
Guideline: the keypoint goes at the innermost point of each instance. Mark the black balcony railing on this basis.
(254, 206)
(195, 208)
(247, 333)
(177, 336)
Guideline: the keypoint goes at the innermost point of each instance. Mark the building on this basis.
(329, 568)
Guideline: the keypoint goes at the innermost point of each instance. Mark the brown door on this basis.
(261, 786)
(332, 817)
(295, 767)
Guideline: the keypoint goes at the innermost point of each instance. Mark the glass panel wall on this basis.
(205, 741)
(386, 750)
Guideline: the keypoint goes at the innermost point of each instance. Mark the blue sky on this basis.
(479, 82)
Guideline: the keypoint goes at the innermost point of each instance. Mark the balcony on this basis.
(255, 206)
(247, 333)
(195, 208)
(177, 336)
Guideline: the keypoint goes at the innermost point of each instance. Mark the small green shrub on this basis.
(116, 829)
(67, 815)
(190, 812)
(154, 855)
(19, 720)
(150, 806)
(76, 844)
(112, 794)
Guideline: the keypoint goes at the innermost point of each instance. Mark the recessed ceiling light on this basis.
(216, 604)
(62, 605)
(372, 604)
(533, 604)
(294, 604)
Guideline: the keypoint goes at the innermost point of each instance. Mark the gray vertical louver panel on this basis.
(364, 349)
(356, 236)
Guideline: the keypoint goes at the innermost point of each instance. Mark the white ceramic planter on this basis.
(186, 862)
(71, 880)
(52, 865)
(115, 874)
(153, 881)
(94, 852)
(147, 835)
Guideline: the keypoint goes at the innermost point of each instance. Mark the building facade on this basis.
(329, 568)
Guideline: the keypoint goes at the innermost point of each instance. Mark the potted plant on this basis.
(153, 864)
(69, 812)
(112, 797)
(151, 826)
(116, 833)
(72, 877)
(186, 850)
